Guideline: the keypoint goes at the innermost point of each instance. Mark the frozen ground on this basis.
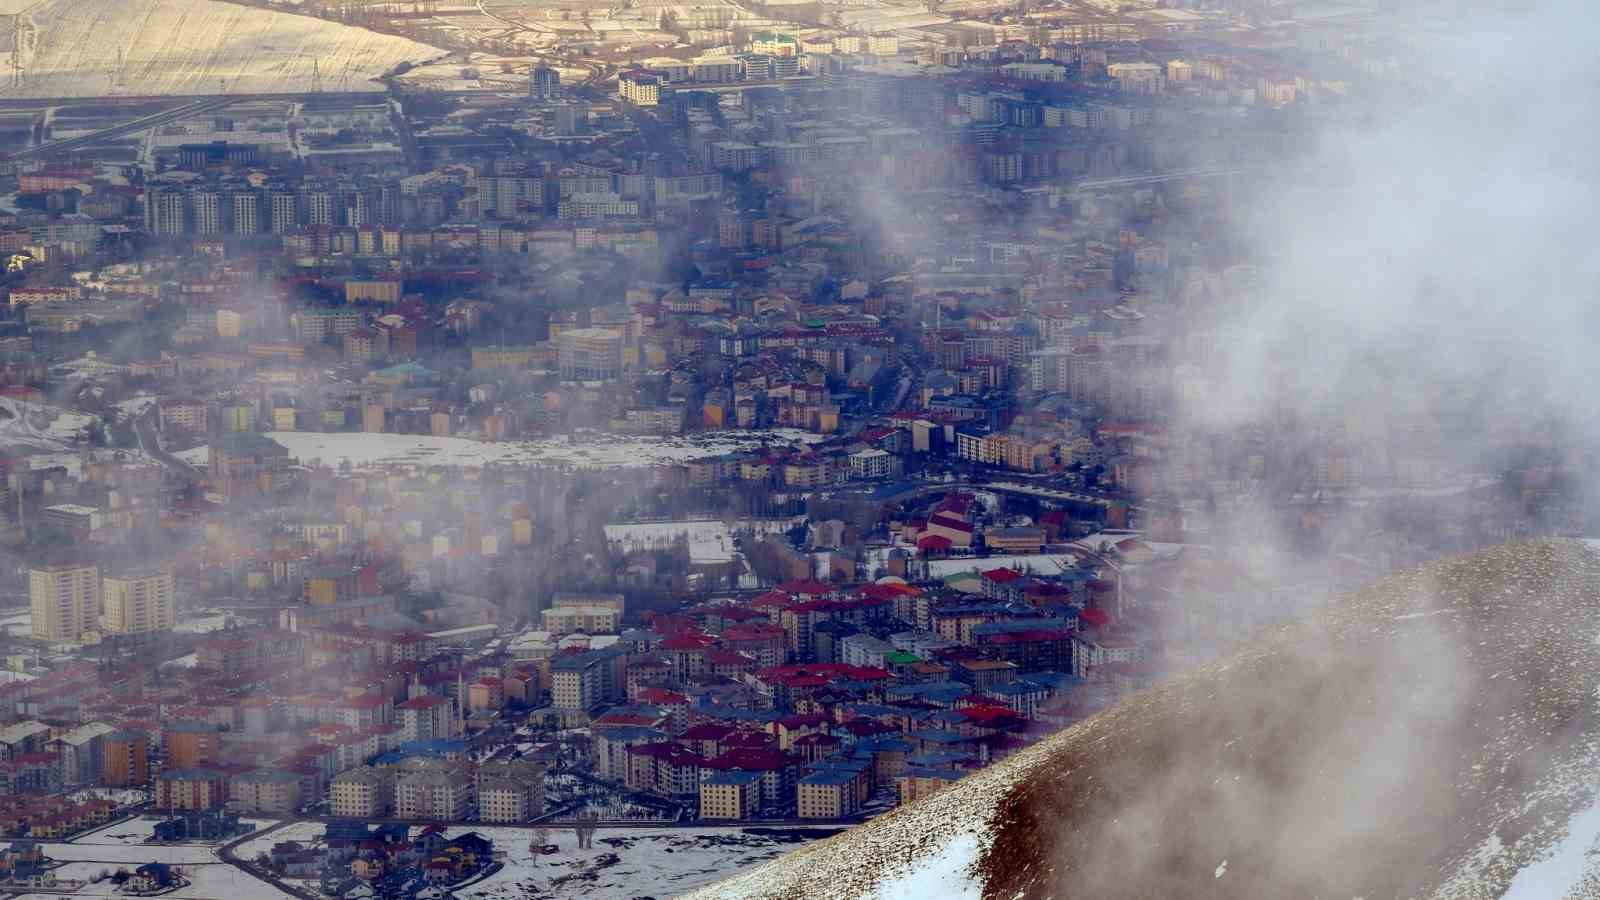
(171, 47)
(594, 451)
(120, 846)
(304, 832)
(1041, 563)
(34, 426)
(208, 881)
(137, 405)
(201, 621)
(709, 541)
(17, 621)
(624, 863)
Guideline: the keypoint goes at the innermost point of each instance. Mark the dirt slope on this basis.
(1429, 736)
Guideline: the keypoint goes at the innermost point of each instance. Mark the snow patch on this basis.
(946, 874)
(1564, 867)
(590, 451)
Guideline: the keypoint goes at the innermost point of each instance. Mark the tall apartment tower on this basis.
(208, 218)
(138, 601)
(164, 210)
(65, 600)
(246, 212)
(284, 212)
(543, 83)
(127, 759)
(357, 211)
(322, 208)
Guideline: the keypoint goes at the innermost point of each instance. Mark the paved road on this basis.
(57, 148)
(144, 430)
(225, 853)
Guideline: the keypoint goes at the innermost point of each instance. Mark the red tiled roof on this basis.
(808, 588)
(751, 760)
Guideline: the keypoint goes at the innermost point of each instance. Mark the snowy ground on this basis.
(624, 862)
(596, 451)
(201, 621)
(172, 47)
(120, 846)
(137, 405)
(18, 621)
(709, 541)
(208, 881)
(303, 832)
(1039, 563)
(34, 426)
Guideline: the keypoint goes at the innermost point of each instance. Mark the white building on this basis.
(871, 463)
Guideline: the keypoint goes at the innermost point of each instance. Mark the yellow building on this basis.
(138, 601)
(826, 795)
(730, 795)
(65, 601)
(387, 291)
(640, 88)
(914, 784)
(326, 535)
(503, 357)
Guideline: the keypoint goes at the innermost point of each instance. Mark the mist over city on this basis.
(487, 449)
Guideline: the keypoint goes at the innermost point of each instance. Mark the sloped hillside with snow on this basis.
(1435, 735)
(197, 47)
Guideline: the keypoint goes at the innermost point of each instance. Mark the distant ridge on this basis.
(97, 48)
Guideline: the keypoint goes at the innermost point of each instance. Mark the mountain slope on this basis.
(1433, 735)
(195, 47)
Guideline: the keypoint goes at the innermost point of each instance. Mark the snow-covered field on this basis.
(198, 47)
(624, 862)
(208, 881)
(201, 621)
(136, 853)
(303, 832)
(596, 451)
(137, 405)
(34, 426)
(18, 621)
(1038, 563)
(120, 846)
(709, 541)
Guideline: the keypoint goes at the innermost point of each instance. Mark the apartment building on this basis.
(268, 791)
(65, 600)
(362, 793)
(138, 601)
(730, 795)
(510, 791)
(436, 790)
(126, 761)
(190, 789)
